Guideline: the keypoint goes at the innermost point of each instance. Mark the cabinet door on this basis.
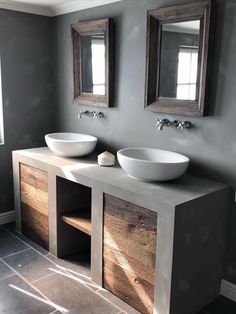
(129, 252)
(34, 204)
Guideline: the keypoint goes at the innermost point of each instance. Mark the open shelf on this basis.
(74, 218)
(80, 219)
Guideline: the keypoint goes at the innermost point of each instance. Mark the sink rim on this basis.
(185, 158)
(90, 138)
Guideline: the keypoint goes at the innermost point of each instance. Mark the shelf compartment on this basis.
(80, 219)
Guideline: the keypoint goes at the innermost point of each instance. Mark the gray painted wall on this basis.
(211, 145)
(26, 56)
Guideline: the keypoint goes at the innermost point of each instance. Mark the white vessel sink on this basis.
(150, 164)
(71, 144)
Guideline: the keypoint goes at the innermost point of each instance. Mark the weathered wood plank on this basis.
(35, 225)
(129, 287)
(34, 204)
(136, 215)
(129, 264)
(34, 198)
(133, 231)
(129, 252)
(134, 248)
(34, 177)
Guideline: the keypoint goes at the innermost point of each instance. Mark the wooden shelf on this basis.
(80, 219)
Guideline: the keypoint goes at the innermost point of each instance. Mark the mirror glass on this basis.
(179, 66)
(93, 64)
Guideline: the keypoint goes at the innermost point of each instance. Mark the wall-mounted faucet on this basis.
(175, 123)
(92, 114)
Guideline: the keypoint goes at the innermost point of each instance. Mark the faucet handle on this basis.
(188, 124)
(98, 114)
(176, 123)
(185, 125)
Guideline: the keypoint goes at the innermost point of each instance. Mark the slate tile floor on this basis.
(33, 281)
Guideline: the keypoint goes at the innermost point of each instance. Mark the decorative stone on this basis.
(106, 159)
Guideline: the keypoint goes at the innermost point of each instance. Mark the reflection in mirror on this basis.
(93, 64)
(179, 60)
(179, 43)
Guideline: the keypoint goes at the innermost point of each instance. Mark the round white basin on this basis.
(150, 164)
(70, 144)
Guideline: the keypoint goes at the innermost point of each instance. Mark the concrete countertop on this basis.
(171, 193)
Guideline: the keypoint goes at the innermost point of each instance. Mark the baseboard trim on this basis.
(7, 217)
(228, 290)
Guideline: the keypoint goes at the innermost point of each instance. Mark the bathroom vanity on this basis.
(157, 248)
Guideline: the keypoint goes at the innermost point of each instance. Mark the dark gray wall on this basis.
(26, 56)
(211, 145)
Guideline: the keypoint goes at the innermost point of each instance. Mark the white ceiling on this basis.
(51, 7)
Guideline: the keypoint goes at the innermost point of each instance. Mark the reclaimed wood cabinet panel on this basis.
(34, 177)
(129, 252)
(34, 204)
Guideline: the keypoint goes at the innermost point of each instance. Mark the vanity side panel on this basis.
(129, 252)
(200, 237)
(34, 204)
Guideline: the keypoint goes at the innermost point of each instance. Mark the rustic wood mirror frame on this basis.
(202, 10)
(88, 28)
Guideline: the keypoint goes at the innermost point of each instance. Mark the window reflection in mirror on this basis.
(93, 64)
(179, 60)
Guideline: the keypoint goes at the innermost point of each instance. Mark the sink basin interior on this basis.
(154, 155)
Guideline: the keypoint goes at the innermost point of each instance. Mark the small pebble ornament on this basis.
(106, 159)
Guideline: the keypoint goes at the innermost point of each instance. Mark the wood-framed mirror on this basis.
(93, 62)
(177, 65)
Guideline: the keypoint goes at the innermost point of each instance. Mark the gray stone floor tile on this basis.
(78, 262)
(117, 301)
(11, 229)
(74, 296)
(5, 271)
(18, 297)
(10, 244)
(76, 265)
(30, 264)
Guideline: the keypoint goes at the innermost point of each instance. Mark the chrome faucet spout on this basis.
(176, 124)
(161, 123)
